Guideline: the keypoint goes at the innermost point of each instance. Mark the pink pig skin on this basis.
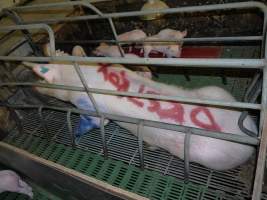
(212, 153)
(171, 50)
(136, 34)
(10, 181)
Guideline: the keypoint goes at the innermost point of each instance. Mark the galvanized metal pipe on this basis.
(69, 111)
(179, 128)
(43, 123)
(203, 8)
(140, 128)
(187, 156)
(113, 28)
(140, 95)
(34, 26)
(171, 62)
(86, 87)
(202, 39)
(103, 136)
(261, 160)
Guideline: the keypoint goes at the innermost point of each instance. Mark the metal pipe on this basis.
(43, 123)
(203, 8)
(201, 39)
(171, 62)
(86, 87)
(261, 160)
(112, 26)
(103, 136)
(140, 128)
(140, 95)
(69, 111)
(34, 26)
(187, 156)
(179, 128)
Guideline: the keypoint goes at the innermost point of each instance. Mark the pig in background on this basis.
(12, 182)
(170, 50)
(212, 153)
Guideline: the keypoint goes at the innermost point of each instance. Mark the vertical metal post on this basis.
(70, 128)
(187, 155)
(260, 168)
(116, 36)
(43, 123)
(140, 144)
(102, 128)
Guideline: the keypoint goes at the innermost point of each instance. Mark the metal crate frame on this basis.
(261, 141)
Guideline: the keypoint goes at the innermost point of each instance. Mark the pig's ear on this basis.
(78, 51)
(184, 33)
(46, 72)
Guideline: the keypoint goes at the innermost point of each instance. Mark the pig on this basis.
(136, 34)
(10, 181)
(107, 50)
(170, 50)
(210, 152)
(172, 34)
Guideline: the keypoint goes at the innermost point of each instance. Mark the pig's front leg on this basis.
(147, 50)
(10, 181)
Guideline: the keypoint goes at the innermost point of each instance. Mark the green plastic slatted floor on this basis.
(146, 183)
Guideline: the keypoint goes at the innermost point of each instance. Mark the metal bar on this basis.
(187, 156)
(203, 8)
(140, 129)
(85, 85)
(112, 26)
(70, 127)
(171, 62)
(260, 167)
(179, 128)
(140, 95)
(103, 136)
(261, 160)
(43, 123)
(34, 26)
(201, 39)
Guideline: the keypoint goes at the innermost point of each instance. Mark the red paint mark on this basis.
(137, 101)
(176, 112)
(104, 69)
(116, 79)
(212, 126)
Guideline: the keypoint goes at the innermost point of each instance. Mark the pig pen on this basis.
(231, 55)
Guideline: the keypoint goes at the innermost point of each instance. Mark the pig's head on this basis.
(173, 51)
(101, 49)
(182, 34)
(50, 73)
